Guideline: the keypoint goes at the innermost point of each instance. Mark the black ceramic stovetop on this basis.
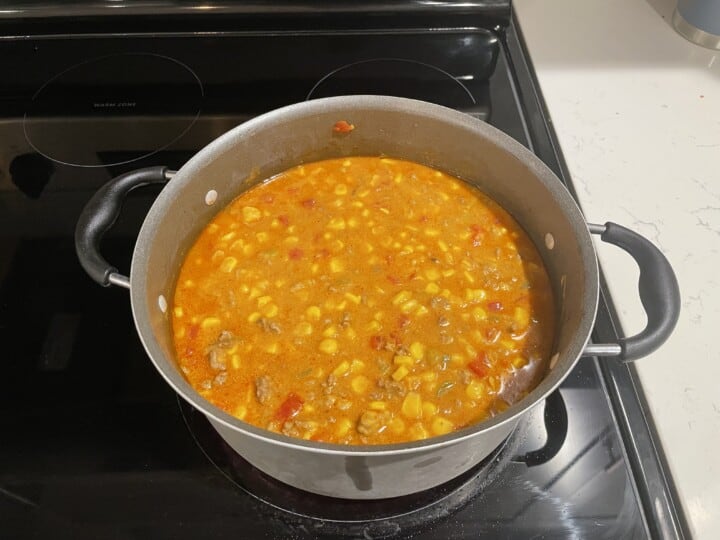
(93, 444)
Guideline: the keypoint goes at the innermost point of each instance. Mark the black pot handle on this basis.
(659, 294)
(99, 215)
(555, 418)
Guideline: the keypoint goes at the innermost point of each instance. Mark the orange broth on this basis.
(363, 300)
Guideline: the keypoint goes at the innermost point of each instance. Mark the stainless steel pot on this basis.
(414, 130)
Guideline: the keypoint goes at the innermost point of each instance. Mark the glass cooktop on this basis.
(96, 445)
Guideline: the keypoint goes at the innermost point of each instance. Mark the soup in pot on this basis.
(363, 300)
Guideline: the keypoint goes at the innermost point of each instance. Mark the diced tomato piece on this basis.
(478, 366)
(295, 254)
(284, 220)
(343, 127)
(290, 407)
(403, 321)
(393, 280)
(268, 198)
(308, 203)
(377, 343)
(193, 330)
(495, 306)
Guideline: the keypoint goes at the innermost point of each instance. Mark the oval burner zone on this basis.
(113, 109)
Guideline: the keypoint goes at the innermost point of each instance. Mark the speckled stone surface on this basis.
(637, 110)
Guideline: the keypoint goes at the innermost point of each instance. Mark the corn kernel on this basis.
(270, 310)
(248, 249)
(209, 322)
(303, 329)
(180, 333)
(251, 214)
(343, 427)
(328, 346)
(291, 240)
(429, 409)
(273, 348)
(401, 297)
(418, 432)
(479, 314)
(254, 293)
(308, 408)
(448, 273)
(432, 232)
(442, 245)
(417, 350)
(519, 362)
(476, 389)
(240, 412)
(354, 298)
(402, 360)
(422, 310)
(263, 300)
(377, 405)
(360, 384)
(432, 288)
(213, 228)
(235, 361)
(442, 426)
(522, 317)
(313, 313)
(475, 295)
(397, 426)
(215, 257)
(356, 366)
(330, 331)
(350, 333)
(400, 373)
(342, 368)
(337, 245)
(336, 265)
(374, 326)
(429, 376)
(432, 274)
(178, 311)
(254, 317)
(336, 224)
(509, 344)
(341, 189)
(412, 405)
(409, 306)
(262, 237)
(189, 284)
(352, 222)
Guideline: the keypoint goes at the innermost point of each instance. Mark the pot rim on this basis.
(344, 104)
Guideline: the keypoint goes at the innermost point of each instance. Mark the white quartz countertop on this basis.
(636, 108)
